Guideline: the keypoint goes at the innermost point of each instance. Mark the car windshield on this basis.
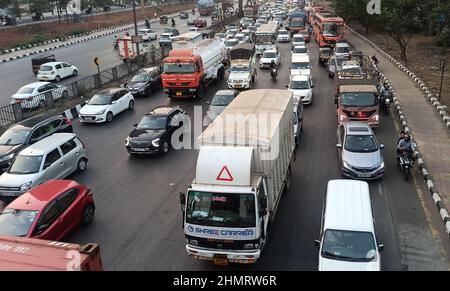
(299, 85)
(300, 50)
(100, 100)
(23, 165)
(165, 36)
(140, 78)
(359, 99)
(239, 69)
(342, 49)
(45, 68)
(221, 209)
(300, 66)
(361, 144)
(281, 32)
(152, 122)
(356, 246)
(16, 222)
(269, 55)
(176, 68)
(231, 42)
(298, 39)
(14, 136)
(25, 90)
(222, 100)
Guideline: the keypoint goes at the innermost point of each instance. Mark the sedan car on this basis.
(145, 82)
(297, 39)
(301, 87)
(27, 132)
(49, 211)
(359, 152)
(241, 37)
(147, 34)
(283, 35)
(103, 106)
(34, 95)
(268, 56)
(55, 71)
(299, 50)
(154, 132)
(219, 102)
(54, 157)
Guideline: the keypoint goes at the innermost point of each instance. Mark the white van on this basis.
(347, 236)
(300, 65)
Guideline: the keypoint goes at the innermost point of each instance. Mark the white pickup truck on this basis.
(242, 66)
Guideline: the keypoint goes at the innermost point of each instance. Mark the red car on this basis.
(49, 211)
(306, 35)
(200, 23)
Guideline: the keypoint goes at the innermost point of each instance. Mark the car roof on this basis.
(299, 35)
(342, 44)
(35, 120)
(147, 70)
(270, 51)
(36, 84)
(358, 128)
(47, 144)
(348, 206)
(52, 63)
(38, 197)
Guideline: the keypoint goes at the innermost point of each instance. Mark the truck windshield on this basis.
(359, 99)
(221, 209)
(300, 66)
(331, 29)
(264, 39)
(356, 246)
(176, 68)
(238, 69)
(15, 222)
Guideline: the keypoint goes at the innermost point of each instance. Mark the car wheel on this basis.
(75, 72)
(57, 78)
(88, 214)
(82, 165)
(109, 117)
(131, 105)
(165, 148)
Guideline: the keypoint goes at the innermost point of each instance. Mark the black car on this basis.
(145, 82)
(27, 132)
(154, 133)
(184, 15)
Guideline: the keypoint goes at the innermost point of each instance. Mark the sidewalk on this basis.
(428, 130)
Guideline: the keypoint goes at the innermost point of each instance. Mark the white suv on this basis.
(283, 35)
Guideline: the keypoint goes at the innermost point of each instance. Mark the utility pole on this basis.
(136, 32)
(443, 64)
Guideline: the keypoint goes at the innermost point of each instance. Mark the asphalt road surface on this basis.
(138, 217)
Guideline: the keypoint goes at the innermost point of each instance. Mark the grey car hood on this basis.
(362, 160)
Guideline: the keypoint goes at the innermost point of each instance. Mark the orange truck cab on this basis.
(28, 254)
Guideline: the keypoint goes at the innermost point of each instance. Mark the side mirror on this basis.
(289, 67)
(312, 85)
(336, 100)
(300, 119)
(135, 124)
(339, 146)
(380, 247)
(317, 243)
(183, 201)
(381, 146)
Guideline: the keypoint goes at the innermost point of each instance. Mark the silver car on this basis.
(359, 152)
(54, 157)
(219, 102)
(334, 65)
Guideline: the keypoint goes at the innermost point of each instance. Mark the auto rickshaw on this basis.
(324, 55)
(163, 19)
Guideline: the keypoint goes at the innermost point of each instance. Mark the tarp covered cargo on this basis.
(242, 51)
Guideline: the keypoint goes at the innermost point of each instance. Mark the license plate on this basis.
(138, 149)
(44, 77)
(178, 93)
(89, 117)
(364, 175)
(237, 85)
(220, 261)
(8, 194)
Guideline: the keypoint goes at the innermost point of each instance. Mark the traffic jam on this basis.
(254, 83)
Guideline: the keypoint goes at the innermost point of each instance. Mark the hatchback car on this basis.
(283, 35)
(342, 50)
(297, 40)
(219, 102)
(34, 95)
(166, 38)
(145, 82)
(301, 87)
(147, 34)
(49, 211)
(268, 56)
(103, 106)
(359, 152)
(154, 132)
(299, 50)
(27, 132)
(55, 71)
(54, 157)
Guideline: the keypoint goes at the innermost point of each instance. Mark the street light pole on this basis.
(442, 64)
(136, 31)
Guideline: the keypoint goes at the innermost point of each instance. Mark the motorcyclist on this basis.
(147, 24)
(273, 69)
(375, 60)
(173, 22)
(405, 146)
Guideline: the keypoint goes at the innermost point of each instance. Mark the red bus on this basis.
(328, 29)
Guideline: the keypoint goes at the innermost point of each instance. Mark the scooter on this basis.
(406, 163)
(386, 100)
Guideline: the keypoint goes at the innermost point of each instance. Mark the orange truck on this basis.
(28, 254)
(187, 72)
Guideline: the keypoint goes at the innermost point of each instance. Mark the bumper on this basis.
(238, 86)
(45, 78)
(92, 118)
(140, 92)
(10, 194)
(362, 175)
(142, 150)
(264, 65)
(247, 257)
(181, 92)
(284, 39)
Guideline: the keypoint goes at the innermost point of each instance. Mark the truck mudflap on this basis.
(224, 257)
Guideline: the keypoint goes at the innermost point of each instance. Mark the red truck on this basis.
(187, 72)
(28, 254)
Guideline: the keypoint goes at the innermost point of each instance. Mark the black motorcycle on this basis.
(274, 73)
(406, 163)
(386, 98)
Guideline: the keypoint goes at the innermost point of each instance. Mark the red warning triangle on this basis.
(224, 176)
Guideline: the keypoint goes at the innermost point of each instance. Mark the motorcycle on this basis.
(406, 162)
(386, 99)
(274, 73)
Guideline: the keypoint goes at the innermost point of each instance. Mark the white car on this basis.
(147, 34)
(103, 106)
(34, 95)
(300, 65)
(268, 56)
(230, 43)
(299, 50)
(165, 38)
(55, 71)
(342, 50)
(283, 35)
(241, 37)
(301, 87)
(193, 28)
(298, 39)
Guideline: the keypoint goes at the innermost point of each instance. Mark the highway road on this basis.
(16, 74)
(138, 217)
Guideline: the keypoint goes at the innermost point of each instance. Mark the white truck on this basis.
(242, 66)
(186, 73)
(128, 49)
(244, 165)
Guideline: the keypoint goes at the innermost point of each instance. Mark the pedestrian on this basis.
(155, 14)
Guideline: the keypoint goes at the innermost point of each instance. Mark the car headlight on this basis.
(347, 165)
(155, 142)
(193, 242)
(101, 112)
(26, 186)
(7, 157)
(381, 166)
(127, 142)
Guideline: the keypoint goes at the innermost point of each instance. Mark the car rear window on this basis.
(25, 90)
(45, 68)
